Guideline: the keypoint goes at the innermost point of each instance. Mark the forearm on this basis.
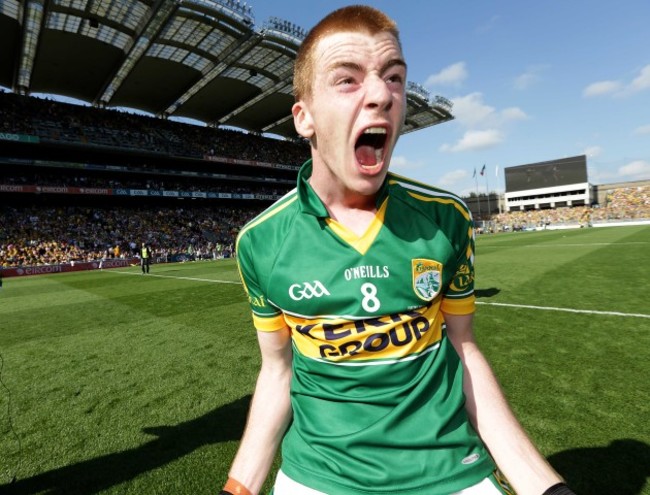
(513, 451)
(268, 418)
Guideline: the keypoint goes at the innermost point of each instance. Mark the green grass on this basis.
(118, 383)
(578, 381)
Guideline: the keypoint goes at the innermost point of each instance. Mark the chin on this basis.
(369, 185)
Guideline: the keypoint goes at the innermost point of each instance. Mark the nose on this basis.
(378, 94)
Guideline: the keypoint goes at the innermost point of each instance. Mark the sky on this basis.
(530, 82)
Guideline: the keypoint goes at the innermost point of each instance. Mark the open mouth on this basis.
(369, 148)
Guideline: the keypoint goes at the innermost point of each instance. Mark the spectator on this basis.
(39, 236)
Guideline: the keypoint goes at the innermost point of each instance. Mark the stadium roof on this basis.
(198, 59)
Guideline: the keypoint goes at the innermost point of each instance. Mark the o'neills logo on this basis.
(427, 278)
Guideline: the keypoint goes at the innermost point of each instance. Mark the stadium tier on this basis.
(204, 60)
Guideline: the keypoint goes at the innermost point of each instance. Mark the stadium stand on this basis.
(75, 125)
(124, 177)
(81, 184)
(69, 234)
(557, 194)
(623, 204)
(71, 201)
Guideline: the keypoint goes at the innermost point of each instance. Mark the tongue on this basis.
(366, 155)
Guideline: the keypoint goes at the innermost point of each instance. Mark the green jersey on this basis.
(378, 405)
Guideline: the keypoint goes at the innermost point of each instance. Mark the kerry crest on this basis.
(427, 278)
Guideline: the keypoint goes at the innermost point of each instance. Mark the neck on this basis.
(352, 210)
(353, 219)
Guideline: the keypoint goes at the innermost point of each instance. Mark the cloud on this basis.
(452, 75)
(403, 163)
(483, 123)
(644, 129)
(637, 169)
(618, 88)
(529, 78)
(602, 88)
(451, 178)
(489, 25)
(475, 140)
(642, 81)
(470, 111)
(513, 113)
(598, 175)
(524, 81)
(592, 151)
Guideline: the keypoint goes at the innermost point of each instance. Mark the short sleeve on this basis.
(266, 317)
(459, 299)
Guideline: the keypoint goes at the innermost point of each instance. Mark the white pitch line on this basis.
(588, 244)
(527, 306)
(183, 278)
(572, 244)
(566, 310)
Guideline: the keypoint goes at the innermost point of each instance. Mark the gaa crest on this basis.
(427, 278)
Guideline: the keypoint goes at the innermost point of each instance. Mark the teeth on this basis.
(375, 130)
(378, 154)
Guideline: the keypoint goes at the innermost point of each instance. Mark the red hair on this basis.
(354, 18)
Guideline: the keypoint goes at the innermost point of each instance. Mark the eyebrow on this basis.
(392, 63)
(357, 67)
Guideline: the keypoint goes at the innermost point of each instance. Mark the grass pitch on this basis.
(118, 383)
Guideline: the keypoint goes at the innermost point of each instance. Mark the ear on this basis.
(302, 119)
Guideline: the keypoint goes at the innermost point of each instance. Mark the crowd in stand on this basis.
(39, 236)
(66, 234)
(631, 203)
(76, 124)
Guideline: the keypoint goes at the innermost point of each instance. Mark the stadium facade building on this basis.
(547, 185)
(550, 184)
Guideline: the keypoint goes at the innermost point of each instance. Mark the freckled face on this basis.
(355, 112)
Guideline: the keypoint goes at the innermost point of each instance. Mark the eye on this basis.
(395, 78)
(345, 81)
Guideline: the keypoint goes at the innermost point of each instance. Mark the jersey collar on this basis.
(310, 202)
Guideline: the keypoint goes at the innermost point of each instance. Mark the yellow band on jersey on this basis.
(394, 336)
(269, 323)
(458, 306)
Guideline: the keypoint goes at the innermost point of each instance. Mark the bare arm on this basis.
(269, 414)
(513, 451)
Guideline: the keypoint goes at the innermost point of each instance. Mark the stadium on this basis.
(117, 383)
(62, 155)
(557, 194)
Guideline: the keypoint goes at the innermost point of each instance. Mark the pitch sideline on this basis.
(566, 310)
(506, 305)
(194, 279)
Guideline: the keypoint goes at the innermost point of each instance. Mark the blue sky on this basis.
(530, 82)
